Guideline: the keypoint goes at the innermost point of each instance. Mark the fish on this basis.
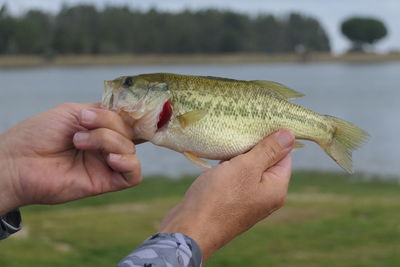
(206, 117)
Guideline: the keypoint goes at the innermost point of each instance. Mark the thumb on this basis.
(271, 149)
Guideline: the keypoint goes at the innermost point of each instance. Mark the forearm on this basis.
(165, 249)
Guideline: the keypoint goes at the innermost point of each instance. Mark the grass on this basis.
(329, 219)
(235, 58)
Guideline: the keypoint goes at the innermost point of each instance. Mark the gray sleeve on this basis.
(10, 223)
(165, 250)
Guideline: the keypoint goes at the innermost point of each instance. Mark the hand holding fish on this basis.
(78, 150)
(230, 198)
(66, 153)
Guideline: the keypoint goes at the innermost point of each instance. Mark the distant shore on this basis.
(129, 59)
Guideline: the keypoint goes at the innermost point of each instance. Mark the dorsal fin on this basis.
(279, 89)
(222, 79)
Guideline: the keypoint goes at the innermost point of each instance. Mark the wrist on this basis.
(208, 237)
(8, 195)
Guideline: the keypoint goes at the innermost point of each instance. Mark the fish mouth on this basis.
(146, 118)
(115, 99)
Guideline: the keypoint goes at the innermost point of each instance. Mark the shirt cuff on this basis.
(165, 249)
(10, 223)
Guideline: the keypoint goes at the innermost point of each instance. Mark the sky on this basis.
(329, 12)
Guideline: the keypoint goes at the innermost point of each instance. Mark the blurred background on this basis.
(343, 55)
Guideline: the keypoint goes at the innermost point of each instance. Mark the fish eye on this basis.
(128, 82)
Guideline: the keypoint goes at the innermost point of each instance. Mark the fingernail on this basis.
(88, 116)
(115, 157)
(81, 137)
(284, 138)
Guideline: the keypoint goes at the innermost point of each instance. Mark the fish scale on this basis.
(219, 118)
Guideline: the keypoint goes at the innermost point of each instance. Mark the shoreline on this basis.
(12, 61)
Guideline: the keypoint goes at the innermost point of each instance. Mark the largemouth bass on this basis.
(219, 118)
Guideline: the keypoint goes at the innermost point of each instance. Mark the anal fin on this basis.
(196, 160)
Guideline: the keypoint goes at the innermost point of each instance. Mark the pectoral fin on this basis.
(190, 117)
(196, 160)
(279, 89)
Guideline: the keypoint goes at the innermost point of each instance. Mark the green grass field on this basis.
(329, 220)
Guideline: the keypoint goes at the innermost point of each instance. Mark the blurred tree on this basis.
(76, 30)
(117, 27)
(32, 33)
(305, 32)
(186, 30)
(84, 29)
(209, 32)
(267, 31)
(6, 30)
(361, 31)
(233, 32)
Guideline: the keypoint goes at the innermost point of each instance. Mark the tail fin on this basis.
(347, 137)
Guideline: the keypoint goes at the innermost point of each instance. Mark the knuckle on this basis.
(125, 145)
(136, 173)
(105, 135)
(113, 121)
(136, 181)
(102, 138)
(136, 164)
(92, 190)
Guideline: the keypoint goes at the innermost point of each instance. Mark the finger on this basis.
(271, 149)
(128, 165)
(103, 139)
(101, 118)
(275, 182)
(280, 173)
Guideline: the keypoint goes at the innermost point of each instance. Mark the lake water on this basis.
(367, 95)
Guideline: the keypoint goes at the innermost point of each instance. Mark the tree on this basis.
(32, 33)
(85, 29)
(76, 30)
(7, 27)
(363, 31)
(268, 32)
(306, 32)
